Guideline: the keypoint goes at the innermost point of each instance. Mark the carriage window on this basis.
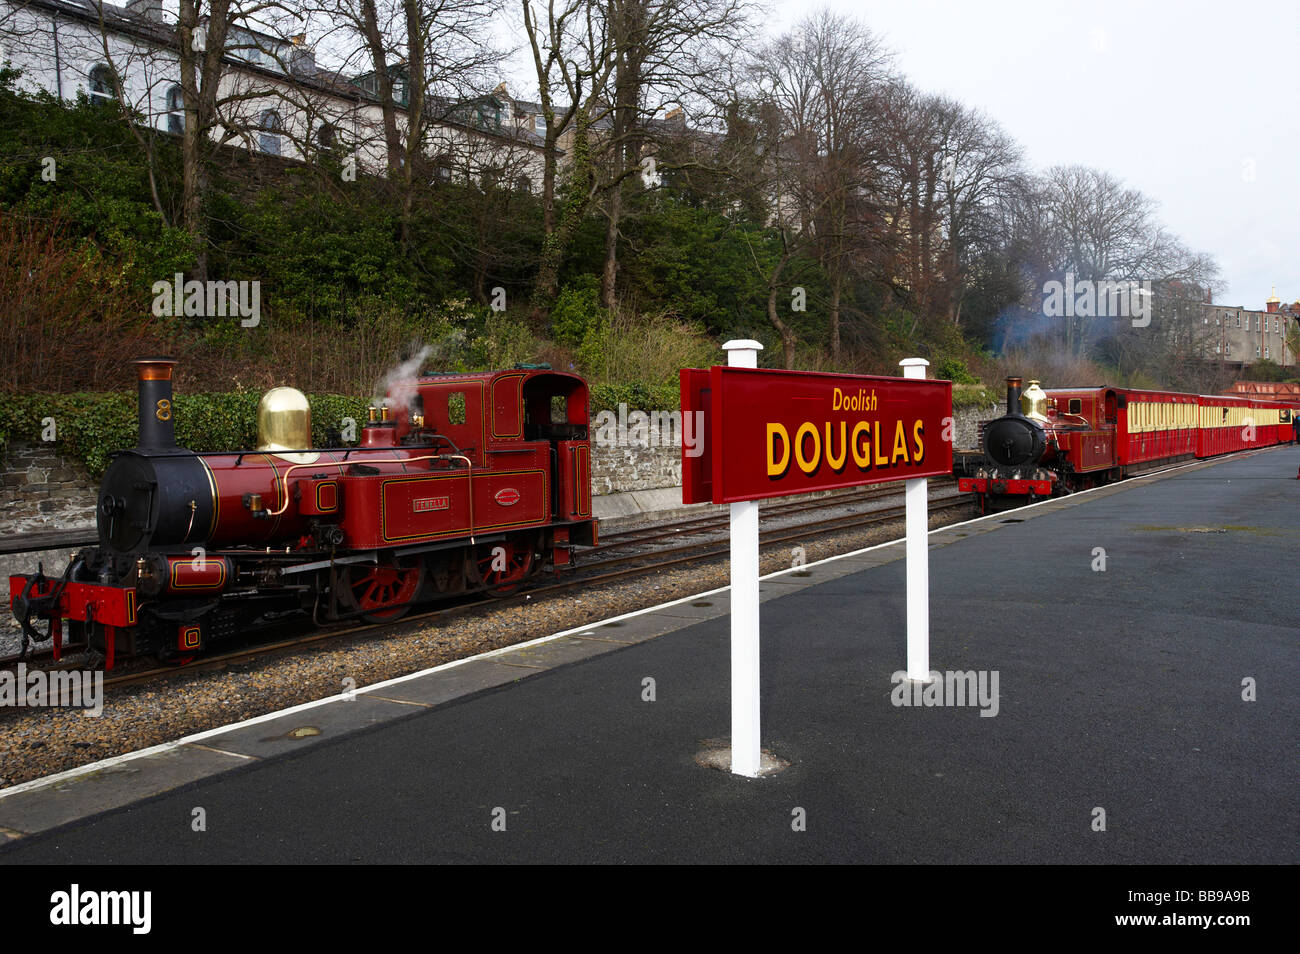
(1076, 405)
(559, 409)
(456, 407)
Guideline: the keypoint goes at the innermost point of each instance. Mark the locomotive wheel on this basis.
(380, 593)
(504, 566)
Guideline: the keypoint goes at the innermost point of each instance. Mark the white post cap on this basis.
(914, 367)
(742, 353)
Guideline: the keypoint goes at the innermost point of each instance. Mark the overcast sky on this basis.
(1194, 103)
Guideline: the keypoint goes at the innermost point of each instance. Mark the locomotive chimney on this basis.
(1013, 396)
(157, 428)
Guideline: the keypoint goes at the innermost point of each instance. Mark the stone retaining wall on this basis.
(40, 489)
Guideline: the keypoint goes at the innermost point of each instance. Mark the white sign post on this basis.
(917, 501)
(745, 739)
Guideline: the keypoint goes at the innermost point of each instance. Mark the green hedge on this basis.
(637, 397)
(974, 395)
(89, 427)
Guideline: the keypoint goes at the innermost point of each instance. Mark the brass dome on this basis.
(284, 424)
(1033, 403)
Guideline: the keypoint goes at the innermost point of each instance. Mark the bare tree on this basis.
(823, 82)
(423, 60)
(978, 162)
(671, 59)
(573, 50)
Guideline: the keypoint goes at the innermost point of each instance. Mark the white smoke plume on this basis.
(397, 386)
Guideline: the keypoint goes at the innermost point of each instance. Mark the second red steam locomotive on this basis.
(1054, 442)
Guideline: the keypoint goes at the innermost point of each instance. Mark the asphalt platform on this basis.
(1119, 689)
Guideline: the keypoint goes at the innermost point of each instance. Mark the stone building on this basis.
(1241, 336)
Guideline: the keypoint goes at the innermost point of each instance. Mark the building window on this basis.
(1275, 326)
(268, 139)
(523, 185)
(539, 124)
(175, 110)
(102, 87)
(1239, 321)
(1266, 352)
(327, 137)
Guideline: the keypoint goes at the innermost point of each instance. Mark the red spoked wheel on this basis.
(504, 566)
(381, 592)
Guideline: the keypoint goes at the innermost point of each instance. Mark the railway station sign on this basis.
(770, 433)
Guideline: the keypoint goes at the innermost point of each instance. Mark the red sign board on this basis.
(775, 433)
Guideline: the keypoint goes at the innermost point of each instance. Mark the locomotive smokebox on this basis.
(157, 427)
(1015, 440)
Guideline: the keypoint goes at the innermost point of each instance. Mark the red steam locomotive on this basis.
(1054, 442)
(460, 483)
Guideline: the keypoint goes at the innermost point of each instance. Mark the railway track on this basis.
(769, 512)
(595, 567)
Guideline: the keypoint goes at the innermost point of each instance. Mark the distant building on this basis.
(1241, 336)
